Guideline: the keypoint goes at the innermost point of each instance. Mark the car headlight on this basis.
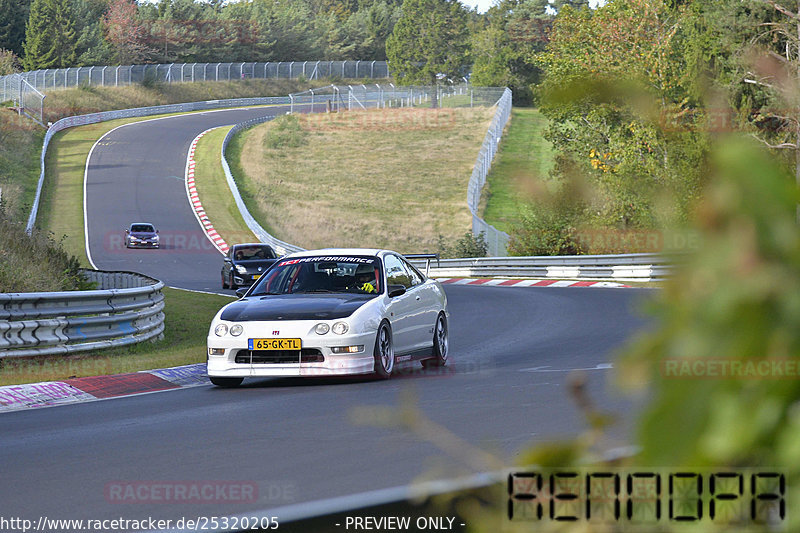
(240, 269)
(340, 328)
(322, 328)
(236, 330)
(221, 330)
(155, 237)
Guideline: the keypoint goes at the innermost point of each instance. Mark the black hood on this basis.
(295, 307)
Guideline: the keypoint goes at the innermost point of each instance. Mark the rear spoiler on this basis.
(428, 258)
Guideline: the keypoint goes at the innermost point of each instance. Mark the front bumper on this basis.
(142, 244)
(245, 280)
(332, 364)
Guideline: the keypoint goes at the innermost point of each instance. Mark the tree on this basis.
(612, 75)
(12, 24)
(125, 32)
(92, 47)
(429, 39)
(9, 62)
(50, 39)
(504, 51)
(777, 72)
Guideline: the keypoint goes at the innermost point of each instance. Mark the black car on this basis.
(141, 235)
(244, 264)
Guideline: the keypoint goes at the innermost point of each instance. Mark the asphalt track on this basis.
(136, 173)
(296, 440)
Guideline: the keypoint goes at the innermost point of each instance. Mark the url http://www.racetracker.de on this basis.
(199, 523)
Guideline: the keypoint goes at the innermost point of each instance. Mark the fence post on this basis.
(372, 70)
(291, 105)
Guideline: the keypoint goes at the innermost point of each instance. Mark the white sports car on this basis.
(330, 312)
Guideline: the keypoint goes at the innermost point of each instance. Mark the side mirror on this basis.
(226, 259)
(240, 292)
(396, 290)
(127, 231)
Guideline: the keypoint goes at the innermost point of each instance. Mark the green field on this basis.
(390, 178)
(213, 189)
(521, 167)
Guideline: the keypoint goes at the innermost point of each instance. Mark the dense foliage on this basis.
(70, 33)
(35, 263)
(428, 41)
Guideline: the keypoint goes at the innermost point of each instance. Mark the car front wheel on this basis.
(384, 352)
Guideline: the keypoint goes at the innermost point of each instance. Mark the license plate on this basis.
(274, 344)
(256, 276)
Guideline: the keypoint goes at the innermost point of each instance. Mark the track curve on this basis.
(136, 173)
(295, 440)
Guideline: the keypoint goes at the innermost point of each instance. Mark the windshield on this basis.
(251, 253)
(322, 274)
(142, 228)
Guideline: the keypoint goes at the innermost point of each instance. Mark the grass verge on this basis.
(520, 169)
(188, 316)
(390, 178)
(212, 186)
(20, 146)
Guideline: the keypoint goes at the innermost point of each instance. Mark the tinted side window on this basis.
(396, 273)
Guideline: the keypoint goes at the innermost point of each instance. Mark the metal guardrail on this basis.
(126, 308)
(263, 235)
(622, 267)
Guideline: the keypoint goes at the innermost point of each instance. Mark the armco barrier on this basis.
(281, 247)
(622, 267)
(126, 308)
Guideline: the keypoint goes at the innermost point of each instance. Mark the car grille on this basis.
(265, 357)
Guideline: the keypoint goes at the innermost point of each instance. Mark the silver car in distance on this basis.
(328, 313)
